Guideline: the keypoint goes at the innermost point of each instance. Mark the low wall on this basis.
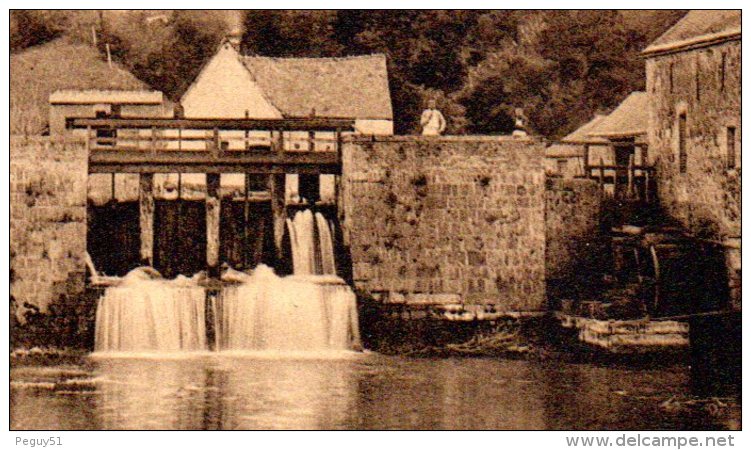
(48, 219)
(446, 219)
(574, 244)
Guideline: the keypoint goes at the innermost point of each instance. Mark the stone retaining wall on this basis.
(446, 219)
(48, 219)
(574, 244)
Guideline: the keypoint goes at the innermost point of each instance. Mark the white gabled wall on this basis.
(225, 90)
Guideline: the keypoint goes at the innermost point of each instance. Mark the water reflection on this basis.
(359, 392)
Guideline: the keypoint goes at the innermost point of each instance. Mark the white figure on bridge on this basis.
(432, 121)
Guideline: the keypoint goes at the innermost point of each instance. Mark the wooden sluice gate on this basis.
(239, 225)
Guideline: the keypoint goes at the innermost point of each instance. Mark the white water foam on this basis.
(146, 313)
(293, 313)
(312, 311)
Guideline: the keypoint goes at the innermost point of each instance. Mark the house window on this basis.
(562, 165)
(730, 147)
(723, 68)
(682, 154)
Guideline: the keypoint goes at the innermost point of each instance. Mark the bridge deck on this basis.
(145, 145)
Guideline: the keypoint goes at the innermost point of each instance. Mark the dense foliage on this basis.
(561, 66)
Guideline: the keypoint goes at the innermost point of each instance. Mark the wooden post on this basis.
(246, 144)
(153, 140)
(217, 143)
(646, 185)
(311, 141)
(88, 138)
(615, 181)
(246, 222)
(277, 141)
(602, 175)
(586, 161)
(278, 210)
(630, 188)
(213, 210)
(146, 217)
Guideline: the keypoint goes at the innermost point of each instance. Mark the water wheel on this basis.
(681, 276)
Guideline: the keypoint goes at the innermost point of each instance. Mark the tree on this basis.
(560, 66)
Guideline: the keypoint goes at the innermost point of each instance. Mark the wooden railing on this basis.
(631, 181)
(213, 145)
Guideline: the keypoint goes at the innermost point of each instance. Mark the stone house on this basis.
(694, 85)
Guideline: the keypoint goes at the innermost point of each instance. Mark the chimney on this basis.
(234, 39)
(235, 25)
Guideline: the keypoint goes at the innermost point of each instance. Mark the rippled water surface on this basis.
(357, 391)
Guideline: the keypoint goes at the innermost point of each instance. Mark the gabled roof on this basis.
(38, 71)
(698, 28)
(629, 119)
(350, 87)
(581, 134)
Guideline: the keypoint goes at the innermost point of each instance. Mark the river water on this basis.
(357, 391)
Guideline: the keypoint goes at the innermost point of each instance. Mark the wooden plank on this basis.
(310, 124)
(107, 161)
(146, 215)
(213, 212)
(601, 143)
(312, 169)
(202, 156)
(617, 167)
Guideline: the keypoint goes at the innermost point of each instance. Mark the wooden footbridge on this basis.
(307, 146)
(148, 146)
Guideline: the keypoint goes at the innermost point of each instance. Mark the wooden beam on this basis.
(312, 169)
(309, 124)
(278, 211)
(135, 161)
(600, 143)
(213, 214)
(146, 217)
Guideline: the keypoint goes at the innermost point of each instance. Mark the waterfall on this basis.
(146, 314)
(294, 313)
(312, 244)
(311, 310)
(326, 246)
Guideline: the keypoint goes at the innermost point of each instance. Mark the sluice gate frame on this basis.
(277, 147)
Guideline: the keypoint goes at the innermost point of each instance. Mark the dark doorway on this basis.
(309, 188)
(113, 237)
(624, 152)
(179, 237)
(245, 247)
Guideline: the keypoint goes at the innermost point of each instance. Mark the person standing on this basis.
(432, 121)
